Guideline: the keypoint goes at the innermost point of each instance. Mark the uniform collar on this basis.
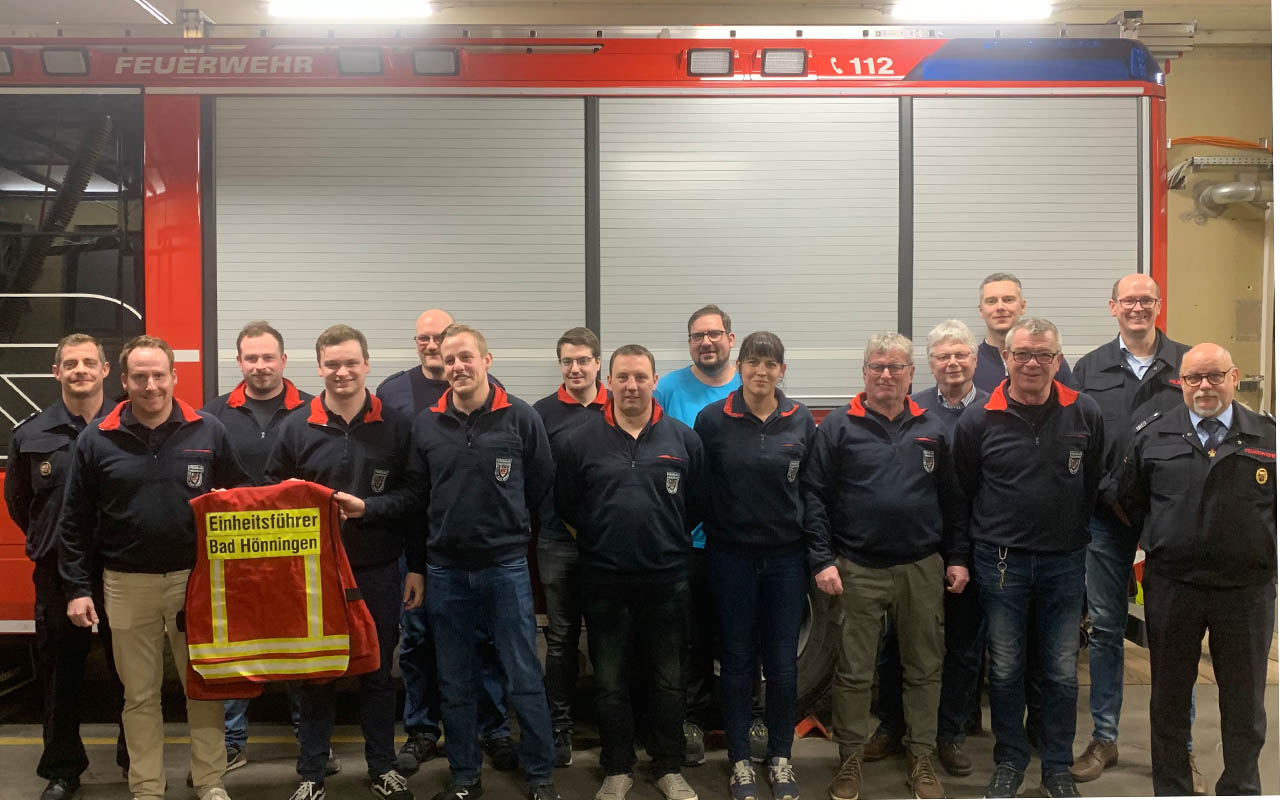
(735, 405)
(181, 413)
(1000, 400)
(292, 399)
(498, 400)
(1226, 417)
(320, 415)
(858, 406)
(613, 422)
(564, 396)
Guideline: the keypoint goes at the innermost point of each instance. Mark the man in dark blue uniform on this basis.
(35, 477)
(1200, 482)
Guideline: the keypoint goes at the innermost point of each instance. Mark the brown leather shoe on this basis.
(1095, 758)
(923, 780)
(847, 784)
(954, 760)
(1197, 780)
(881, 745)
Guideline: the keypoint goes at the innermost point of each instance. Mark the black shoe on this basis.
(502, 753)
(61, 788)
(237, 756)
(543, 791)
(391, 785)
(695, 746)
(564, 748)
(1059, 784)
(417, 750)
(456, 791)
(332, 765)
(1005, 782)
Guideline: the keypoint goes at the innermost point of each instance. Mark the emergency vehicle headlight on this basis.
(435, 61)
(710, 62)
(65, 61)
(359, 60)
(784, 62)
(6, 62)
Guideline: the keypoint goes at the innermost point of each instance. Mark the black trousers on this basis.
(1240, 622)
(700, 653)
(626, 624)
(61, 652)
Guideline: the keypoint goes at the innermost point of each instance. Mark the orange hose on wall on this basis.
(1220, 141)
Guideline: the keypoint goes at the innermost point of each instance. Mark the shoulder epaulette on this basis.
(1267, 415)
(26, 419)
(1147, 421)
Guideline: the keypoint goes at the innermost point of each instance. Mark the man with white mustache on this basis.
(1133, 377)
(1201, 484)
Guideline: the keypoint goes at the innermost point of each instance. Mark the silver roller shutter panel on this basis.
(1049, 189)
(783, 211)
(368, 210)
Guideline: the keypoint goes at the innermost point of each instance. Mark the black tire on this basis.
(819, 647)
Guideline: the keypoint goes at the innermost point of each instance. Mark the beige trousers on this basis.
(143, 609)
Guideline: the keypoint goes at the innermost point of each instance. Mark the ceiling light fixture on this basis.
(350, 9)
(972, 10)
(153, 11)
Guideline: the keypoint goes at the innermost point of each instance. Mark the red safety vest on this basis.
(272, 597)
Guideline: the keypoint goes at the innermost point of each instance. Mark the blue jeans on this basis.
(236, 715)
(500, 599)
(1053, 585)
(422, 687)
(759, 600)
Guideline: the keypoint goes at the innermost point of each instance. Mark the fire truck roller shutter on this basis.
(1050, 189)
(367, 210)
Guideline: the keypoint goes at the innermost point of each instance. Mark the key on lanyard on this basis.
(1002, 553)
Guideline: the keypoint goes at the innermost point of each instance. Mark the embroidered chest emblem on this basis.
(46, 469)
(793, 469)
(379, 481)
(195, 475)
(502, 469)
(1074, 459)
(930, 461)
(673, 482)
(1261, 476)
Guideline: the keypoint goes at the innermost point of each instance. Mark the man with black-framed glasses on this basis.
(1133, 377)
(1201, 485)
(1030, 460)
(682, 394)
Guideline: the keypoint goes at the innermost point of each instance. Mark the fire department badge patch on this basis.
(1261, 477)
(930, 461)
(673, 482)
(379, 480)
(1073, 461)
(793, 469)
(195, 475)
(46, 469)
(502, 469)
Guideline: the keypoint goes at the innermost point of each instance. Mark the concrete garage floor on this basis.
(270, 774)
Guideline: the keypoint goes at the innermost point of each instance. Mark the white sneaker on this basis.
(674, 787)
(216, 793)
(615, 787)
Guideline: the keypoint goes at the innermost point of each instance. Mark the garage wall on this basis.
(1045, 188)
(369, 210)
(784, 212)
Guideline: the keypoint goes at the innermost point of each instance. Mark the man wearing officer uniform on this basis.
(1131, 377)
(1030, 459)
(132, 476)
(411, 391)
(252, 413)
(1201, 484)
(35, 476)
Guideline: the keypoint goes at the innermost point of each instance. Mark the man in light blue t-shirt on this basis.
(682, 394)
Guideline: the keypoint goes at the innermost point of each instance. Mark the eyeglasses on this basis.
(1128, 303)
(427, 338)
(1023, 357)
(943, 358)
(580, 362)
(1214, 378)
(894, 369)
(710, 336)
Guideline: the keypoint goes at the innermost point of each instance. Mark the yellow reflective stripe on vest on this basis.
(315, 608)
(272, 666)
(257, 647)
